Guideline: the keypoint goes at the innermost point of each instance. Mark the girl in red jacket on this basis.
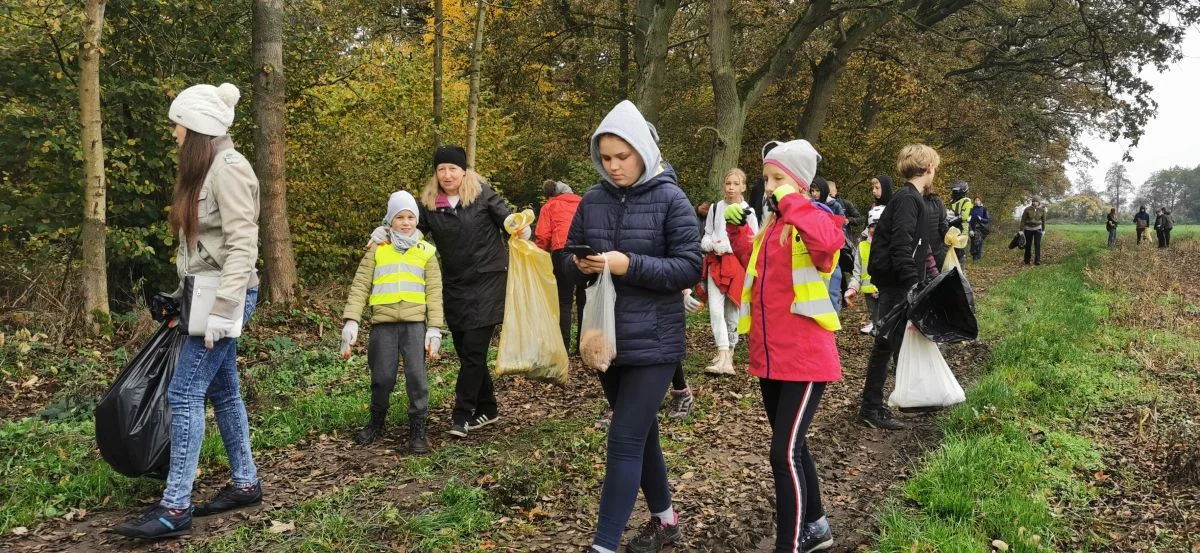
(790, 320)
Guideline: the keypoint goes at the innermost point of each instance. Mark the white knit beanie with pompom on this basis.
(205, 108)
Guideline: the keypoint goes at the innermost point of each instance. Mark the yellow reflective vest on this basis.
(400, 276)
(864, 254)
(810, 287)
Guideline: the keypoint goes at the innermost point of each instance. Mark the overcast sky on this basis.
(1173, 136)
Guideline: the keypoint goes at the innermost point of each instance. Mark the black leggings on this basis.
(790, 408)
(679, 381)
(474, 393)
(634, 455)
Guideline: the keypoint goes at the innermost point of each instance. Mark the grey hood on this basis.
(627, 122)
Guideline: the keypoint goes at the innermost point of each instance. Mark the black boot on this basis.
(373, 430)
(418, 439)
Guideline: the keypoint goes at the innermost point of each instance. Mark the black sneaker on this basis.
(458, 429)
(156, 522)
(880, 418)
(653, 535)
(231, 497)
(817, 537)
(418, 441)
(481, 421)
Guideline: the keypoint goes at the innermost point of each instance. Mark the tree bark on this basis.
(623, 77)
(94, 228)
(652, 30)
(732, 100)
(473, 98)
(438, 42)
(279, 264)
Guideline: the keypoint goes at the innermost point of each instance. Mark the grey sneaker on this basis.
(653, 535)
(458, 429)
(681, 403)
(817, 536)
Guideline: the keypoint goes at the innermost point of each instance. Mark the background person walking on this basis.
(1033, 223)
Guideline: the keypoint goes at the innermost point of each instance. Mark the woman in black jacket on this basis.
(464, 217)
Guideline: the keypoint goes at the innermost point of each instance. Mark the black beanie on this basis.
(450, 154)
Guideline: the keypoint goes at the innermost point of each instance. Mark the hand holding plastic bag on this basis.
(923, 379)
(530, 340)
(598, 337)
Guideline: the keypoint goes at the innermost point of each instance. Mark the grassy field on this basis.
(1021, 462)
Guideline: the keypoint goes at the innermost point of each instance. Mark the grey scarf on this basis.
(402, 243)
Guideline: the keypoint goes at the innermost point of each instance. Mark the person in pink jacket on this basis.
(791, 322)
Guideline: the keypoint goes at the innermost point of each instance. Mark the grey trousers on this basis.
(389, 343)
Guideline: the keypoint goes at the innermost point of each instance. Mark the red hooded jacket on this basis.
(554, 220)
(783, 345)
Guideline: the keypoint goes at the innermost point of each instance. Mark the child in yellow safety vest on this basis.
(860, 282)
(402, 283)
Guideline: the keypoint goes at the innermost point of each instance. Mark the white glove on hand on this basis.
(525, 233)
(706, 243)
(380, 235)
(433, 342)
(721, 246)
(218, 328)
(690, 304)
(349, 337)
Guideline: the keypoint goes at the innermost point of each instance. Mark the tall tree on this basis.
(1117, 185)
(279, 264)
(473, 97)
(438, 44)
(94, 231)
(651, 31)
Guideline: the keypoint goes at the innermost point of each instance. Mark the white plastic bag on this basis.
(923, 379)
(598, 329)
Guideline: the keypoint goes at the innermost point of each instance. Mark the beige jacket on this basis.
(400, 312)
(227, 243)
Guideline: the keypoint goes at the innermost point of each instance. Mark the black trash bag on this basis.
(944, 310)
(891, 325)
(1018, 241)
(133, 418)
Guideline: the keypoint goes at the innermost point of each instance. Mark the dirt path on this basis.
(718, 458)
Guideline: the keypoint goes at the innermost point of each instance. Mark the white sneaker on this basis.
(867, 329)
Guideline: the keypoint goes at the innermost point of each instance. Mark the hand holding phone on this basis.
(581, 251)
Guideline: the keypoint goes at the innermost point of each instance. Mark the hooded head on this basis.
(885, 189)
(205, 108)
(821, 186)
(798, 159)
(400, 201)
(626, 122)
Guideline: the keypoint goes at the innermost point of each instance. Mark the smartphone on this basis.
(581, 250)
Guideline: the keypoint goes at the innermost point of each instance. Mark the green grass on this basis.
(1013, 460)
(50, 468)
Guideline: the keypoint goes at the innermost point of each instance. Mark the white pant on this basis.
(723, 316)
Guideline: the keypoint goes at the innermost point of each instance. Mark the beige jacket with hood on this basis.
(227, 236)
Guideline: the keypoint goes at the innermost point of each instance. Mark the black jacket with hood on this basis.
(898, 237)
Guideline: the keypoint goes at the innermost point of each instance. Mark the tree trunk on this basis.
(652, 30)
(438, 41)
(94, 231)
(473, 99)
(279, 264)
(623, 77)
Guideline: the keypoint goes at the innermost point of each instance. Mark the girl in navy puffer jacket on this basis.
(643, 225)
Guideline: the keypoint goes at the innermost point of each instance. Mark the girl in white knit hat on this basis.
(214, 213)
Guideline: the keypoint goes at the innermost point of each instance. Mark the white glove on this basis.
(349, 337)
(690, 304)
(721, 246)
(525, 233)
(972, 234)
(706, 243)
(381, 234)
(433, 342)
(218, 328)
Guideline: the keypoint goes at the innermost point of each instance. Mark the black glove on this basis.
(163, 306)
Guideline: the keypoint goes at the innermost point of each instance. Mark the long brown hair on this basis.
(195, 157)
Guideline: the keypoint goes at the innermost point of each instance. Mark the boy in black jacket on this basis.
(899, 256)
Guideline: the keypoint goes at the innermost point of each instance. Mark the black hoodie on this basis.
(885, 186)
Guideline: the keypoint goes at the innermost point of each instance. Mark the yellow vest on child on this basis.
(809, 286)
(400, 276)
(864, 254)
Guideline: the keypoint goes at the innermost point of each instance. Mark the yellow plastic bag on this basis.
(956, 240)
(530, 340)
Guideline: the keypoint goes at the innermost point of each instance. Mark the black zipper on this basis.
(620, 220)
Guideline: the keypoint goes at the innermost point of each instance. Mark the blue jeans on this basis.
(1112, 237)
(202, 373)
